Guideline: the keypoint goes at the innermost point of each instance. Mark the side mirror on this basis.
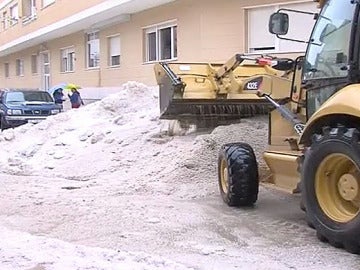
(279, 23)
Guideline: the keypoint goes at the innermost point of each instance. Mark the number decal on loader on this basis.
(253, 84)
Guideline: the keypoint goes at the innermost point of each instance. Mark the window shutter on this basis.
(115, 45)
(259, 36)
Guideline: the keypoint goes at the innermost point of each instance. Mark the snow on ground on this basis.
(106, 187)
(119, 139)
(20, 251)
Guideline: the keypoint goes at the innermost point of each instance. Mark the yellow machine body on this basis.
(200, 91)
(314, 133)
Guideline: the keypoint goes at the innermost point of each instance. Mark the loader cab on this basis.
(332, 55)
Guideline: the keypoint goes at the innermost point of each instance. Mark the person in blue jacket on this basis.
(75, 99)
(58, 97)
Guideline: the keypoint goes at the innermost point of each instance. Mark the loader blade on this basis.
(198, 110)
(199, 93)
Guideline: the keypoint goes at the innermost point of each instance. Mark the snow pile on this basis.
(198, 164)
(62, 142)
(112, 135)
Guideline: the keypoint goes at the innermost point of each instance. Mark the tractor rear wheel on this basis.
(331, 187)
(238, 174)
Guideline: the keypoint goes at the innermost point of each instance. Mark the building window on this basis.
(45, 3)
(67, 59)
(93, 49)
(6, 70)
(19, 67)
(261, 41)
(34, 64)
(4, 21)
(114, 50)
(28, 10)
(160, 42)
(14, 14)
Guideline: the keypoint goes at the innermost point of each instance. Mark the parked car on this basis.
(21, 106)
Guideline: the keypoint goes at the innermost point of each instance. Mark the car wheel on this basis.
(2, 123)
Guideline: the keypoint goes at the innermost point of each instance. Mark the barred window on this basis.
(7, 70)
(67, 59)
(19, 67)
(93, 50)
(34, 63)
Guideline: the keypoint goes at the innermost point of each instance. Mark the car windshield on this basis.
(328, 51)
(28, 96)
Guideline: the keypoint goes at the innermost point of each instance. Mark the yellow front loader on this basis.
(314, 137)
(207, 94)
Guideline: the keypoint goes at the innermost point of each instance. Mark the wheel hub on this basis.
(224, 177)
(348, 187)
(225, 180)
(337, 187)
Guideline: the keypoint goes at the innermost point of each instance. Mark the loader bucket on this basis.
(201, 93)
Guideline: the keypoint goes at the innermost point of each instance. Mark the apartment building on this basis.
(104, 43)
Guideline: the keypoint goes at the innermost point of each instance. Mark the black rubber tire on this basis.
(343, 141)
(302, 206)
(242, 174)
(2, 123)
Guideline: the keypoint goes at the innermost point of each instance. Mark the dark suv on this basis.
(21, 106)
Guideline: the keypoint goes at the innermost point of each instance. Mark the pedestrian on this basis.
(75, 98)
(59, 97)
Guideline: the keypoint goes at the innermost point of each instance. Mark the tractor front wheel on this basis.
(238, 174)
(331, 187)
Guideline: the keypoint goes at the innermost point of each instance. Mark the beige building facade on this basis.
(105, 43)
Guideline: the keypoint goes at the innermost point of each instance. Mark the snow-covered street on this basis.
(105, 187)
